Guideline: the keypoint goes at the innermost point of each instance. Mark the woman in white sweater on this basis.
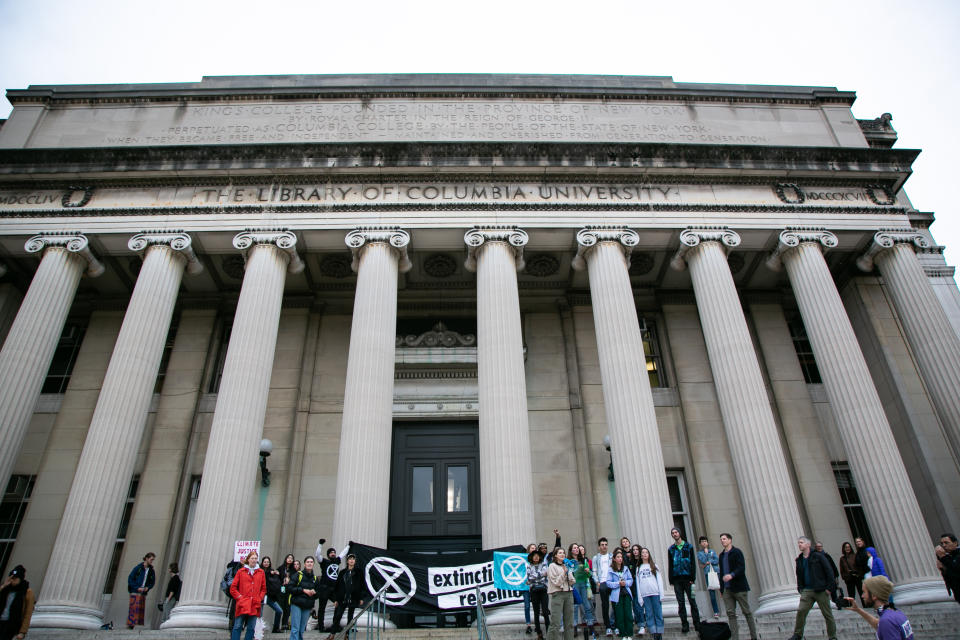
(560, 589)
(649, 586)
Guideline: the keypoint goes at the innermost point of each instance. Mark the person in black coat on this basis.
(734, 586)
(16, 605)
(329, 571)
(348, 592)
(303, 590)
(816, 583)
(274, 582)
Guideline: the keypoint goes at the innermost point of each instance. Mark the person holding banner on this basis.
(619, 581)
(537, 579)
(248, 589)
(560, 583)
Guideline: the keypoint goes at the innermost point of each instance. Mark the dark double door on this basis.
(435, 488)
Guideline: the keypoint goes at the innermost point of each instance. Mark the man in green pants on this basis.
(816, 583)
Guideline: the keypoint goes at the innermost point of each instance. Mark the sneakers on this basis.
(716, 616)
(609, 632)
(685, 628)
(529, 630)
(641, 631)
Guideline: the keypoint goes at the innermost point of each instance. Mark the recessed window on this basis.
(651, 348)
(16, 499)
(65, 357)
(457, 490)
(801, 344)
(421, 489)
(852, 507)
(122, 534)
(677, 489)
(167, 350)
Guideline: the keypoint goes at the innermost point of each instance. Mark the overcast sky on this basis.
(899, 56)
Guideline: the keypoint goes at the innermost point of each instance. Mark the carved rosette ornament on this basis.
(887, 239)
(394, 236)
(691, 237)
(476, 237)
(589, 237)
(176, 240)
(284, 240)
(73, 242)
(792, 237)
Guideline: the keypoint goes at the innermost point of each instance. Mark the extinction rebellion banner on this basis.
(421, 584)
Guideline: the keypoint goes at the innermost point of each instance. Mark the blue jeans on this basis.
(238, 622)
(298, 621)
(584, 606)
(278, 611)
(713, 602)
(639, 614)
(654, 611)
(526, 606)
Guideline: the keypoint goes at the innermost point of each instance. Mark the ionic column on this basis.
(73, 590)
(932, 339)
(766, 492)
(231, 464)
(885, 490)
(28, 349)
(506, 474)
(643, 501)
(363, 472)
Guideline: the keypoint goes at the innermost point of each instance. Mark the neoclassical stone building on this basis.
(465, 310)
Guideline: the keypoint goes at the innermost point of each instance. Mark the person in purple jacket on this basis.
(890, 622)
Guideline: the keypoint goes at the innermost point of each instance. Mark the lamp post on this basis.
(266, 448)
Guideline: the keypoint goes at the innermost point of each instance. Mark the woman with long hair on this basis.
(537, 581)
(848, 571)
(619, 581)
(639, 615)
(274, 596)
(581, 575)
(650, 588)
(303, 590)
(560, 583)
(286, 573)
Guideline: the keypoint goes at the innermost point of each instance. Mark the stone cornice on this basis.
(607, 159)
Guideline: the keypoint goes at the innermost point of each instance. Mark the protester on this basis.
(620, 581)
(948, 561)
(709, 563)
(680, 565)
(232, 567)
(303, 588)
(248, 589)
(172, 592)
(329, 570)
(274, 591)
(891, 624)
(581, 574)
(601, 566)
(649, 586)
(819, 547)
(288, 573)
(848, 570)
(141, 579)
(639, 615)
(526, 593)
(875, 563)
(16, 605)
(348, 592)
(816, 583)
(560, 583)
(537, 581)
(734, 586)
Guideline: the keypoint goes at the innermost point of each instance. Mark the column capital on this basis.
(693, 236)
(589, 237)
(176, 240)
(887, 239)
(72, 242)
(793, 237)
(394, 236)
(283, 239)
(476, 237)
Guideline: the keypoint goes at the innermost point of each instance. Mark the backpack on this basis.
(228, 579)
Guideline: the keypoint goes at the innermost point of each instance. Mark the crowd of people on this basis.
(564, 585)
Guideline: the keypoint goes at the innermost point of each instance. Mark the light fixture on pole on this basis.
(606, 445)
(266, 448)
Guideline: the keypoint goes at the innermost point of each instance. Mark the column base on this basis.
(200, 615)
(777, 602)
(510, 614)
(66, 616)
(920, 592)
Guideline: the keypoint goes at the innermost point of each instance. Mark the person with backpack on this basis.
(248, 589)
(303, 589)
(232, 567)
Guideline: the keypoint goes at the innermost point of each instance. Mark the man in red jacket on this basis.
(248, 589)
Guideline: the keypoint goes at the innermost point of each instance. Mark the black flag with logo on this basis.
(425, 584)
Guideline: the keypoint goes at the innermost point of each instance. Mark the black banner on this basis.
(426, 584)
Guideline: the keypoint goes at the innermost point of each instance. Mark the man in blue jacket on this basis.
(682, 564)
(734, 586)
(816, 583)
